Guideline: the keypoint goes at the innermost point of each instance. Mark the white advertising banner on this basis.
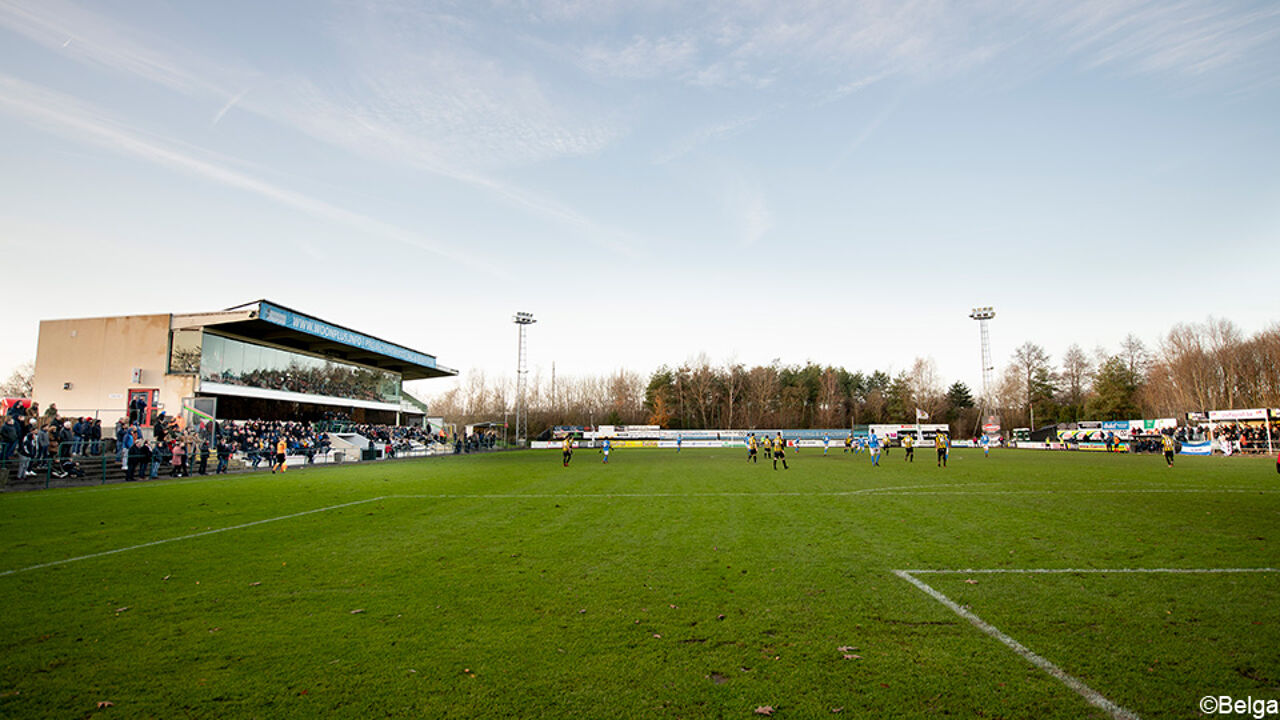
(1252, 414)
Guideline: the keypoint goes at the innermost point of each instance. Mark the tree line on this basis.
(1196, 366)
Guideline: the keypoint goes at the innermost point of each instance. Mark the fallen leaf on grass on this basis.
(581, 611)
(166, 577)
(255, 584)
(214, 630)
(846, 648)
(837, 709)
(122, 609)
(852, 657)
(764, 710)
(971, 581)
(105, 704)
(657, 636)
(357, 611)
(719, 617)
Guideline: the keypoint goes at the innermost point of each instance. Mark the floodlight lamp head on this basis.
(523, 318)
(983, 313)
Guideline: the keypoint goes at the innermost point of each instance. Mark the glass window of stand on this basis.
(235, 362)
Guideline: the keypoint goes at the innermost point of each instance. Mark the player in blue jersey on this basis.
(873, 446)
(985, 442)
(679, 442)
(826, 443)
(605, 449)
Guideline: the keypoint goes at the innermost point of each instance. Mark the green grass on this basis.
(662, 585)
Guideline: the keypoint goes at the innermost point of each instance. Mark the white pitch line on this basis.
(905, 491)
(1099, 571)
(1093, 696)
(187, 537)
(1092, 491)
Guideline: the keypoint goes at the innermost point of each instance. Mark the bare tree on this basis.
(19, 383)
(1135, 355)
(925, 386)
(1032, 364)
(1077, 374)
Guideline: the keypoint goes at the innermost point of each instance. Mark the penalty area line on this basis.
(1092, 696)
(187, 537)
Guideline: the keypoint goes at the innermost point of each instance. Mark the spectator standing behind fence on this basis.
(26, 454)
(8, 439)
(204, 458)
(137, 457)
(66, 440)
(156, 453)
(42, 442)
(224, 455)
(18, 415)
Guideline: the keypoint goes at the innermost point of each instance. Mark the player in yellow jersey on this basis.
(281, 449)
(752, 448)
(1166, 442)
(908, 445)
(940, 442)
(566, 449)
(848, 442)
(780, 452)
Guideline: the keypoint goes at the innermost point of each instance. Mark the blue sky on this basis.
(835, 181)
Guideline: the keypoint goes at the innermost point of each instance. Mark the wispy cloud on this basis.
(96, 39)
(72, 119)
(839, 43)
(642, 57)
(867, 131)
(225, 108)
(748, 210)
(706, 135)
(1188, 38)
(419, 98)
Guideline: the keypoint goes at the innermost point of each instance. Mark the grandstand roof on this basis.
(274, 323)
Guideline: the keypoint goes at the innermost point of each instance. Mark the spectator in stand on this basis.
(8, 439)
(26, 454)
(139, 456)
(18, 414)
(155, 454)
(121, 427)
(42, 442)
(95, 437)
(224, 455)
(66, 440)
(204, 458)
(137, 410)
(177, 458)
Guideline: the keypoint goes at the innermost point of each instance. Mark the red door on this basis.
(149, 397)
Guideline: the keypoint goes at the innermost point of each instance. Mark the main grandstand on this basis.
(260, 360)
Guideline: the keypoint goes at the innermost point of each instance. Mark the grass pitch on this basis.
(662, 585)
